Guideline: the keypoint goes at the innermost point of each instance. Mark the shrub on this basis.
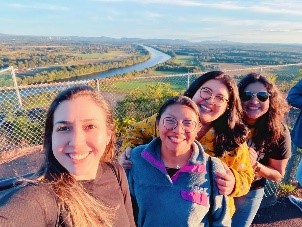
(20, 129)
(140, 104)
(285, 189)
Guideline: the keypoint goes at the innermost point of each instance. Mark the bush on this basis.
(140, 104)
(22, 129)
(285, 189)
(122, 124)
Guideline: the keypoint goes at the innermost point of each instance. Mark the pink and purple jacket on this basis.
(180, 200)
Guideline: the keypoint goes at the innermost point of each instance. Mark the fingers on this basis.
(123, 158)
(128, 152)
(127, 164)
(225, 181)
(227, 169)
(253, 155)
(223, 186)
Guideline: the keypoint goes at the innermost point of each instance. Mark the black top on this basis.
(171, 171)
(278, 151)
(35, 205)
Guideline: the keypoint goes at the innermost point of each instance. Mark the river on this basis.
(157, 57)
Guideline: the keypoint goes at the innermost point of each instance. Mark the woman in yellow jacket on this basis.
(222, 134)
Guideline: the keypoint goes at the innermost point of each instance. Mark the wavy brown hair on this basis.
(229, 128)
(82, 208)
(270, 126)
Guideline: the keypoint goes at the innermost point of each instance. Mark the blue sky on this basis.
(193, 20)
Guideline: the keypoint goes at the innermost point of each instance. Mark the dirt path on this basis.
(282, 213)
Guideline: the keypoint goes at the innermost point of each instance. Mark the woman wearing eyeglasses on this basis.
(269, 141)
(171, 179)
(222, 134)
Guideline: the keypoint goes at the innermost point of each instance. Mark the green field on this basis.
(176, 83)
(184, 60)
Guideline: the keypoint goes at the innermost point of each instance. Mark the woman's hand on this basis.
(253, 156)
(225, 181)
(124, 158)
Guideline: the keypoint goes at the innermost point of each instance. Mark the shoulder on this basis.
(114, 166)
(136, 151)
(284, 138)
(32, 191)
(217, 165)
(239, 152)
(286, 132)
(35, 201)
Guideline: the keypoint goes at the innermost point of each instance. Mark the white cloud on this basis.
(150, 14)
(279, 10)
(272, 7)
(39, 7)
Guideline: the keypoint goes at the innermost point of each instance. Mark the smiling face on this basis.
(79, 136)
(177, 140)
(254, 108)
(211, 109)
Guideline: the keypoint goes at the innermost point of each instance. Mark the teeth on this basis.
(175, 139)
(78, 156)
(253, 108)
(205, 108)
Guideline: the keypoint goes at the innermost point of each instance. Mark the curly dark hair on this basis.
(230, 131)
(270, 126)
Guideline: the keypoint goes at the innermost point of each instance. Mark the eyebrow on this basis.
(70, 122)
(207, 88)
(212, 91)
(170, 115)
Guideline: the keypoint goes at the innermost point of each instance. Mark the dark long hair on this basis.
(51, 166)
(229, 128)
(269, 127)
(82, 208)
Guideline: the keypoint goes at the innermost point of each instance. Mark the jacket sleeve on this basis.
(28, 206)
(140, 133)
(294, 97)
(242, 169)
(126, 194)
(220, 210)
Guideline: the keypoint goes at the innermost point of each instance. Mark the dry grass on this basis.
(14, 154)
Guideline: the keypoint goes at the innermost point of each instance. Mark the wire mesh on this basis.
(22, 117)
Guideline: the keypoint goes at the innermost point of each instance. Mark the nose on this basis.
(254, 98)
(77, 138)
(210, 99)
(179, 128)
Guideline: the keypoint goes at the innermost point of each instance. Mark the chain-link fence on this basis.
(23, 108)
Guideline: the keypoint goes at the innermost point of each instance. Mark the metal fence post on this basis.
(188, 80)
(16, 86)
(98, 85)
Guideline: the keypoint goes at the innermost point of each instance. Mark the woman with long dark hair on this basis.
(269, 141)
(78, 184)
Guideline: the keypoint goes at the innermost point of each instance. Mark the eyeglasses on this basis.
(262, 96)
(171, 123)
(206, 93)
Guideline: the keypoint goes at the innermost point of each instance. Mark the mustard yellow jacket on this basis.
(237, 160)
